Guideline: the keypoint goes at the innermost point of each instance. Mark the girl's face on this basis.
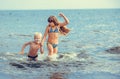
(51, 24)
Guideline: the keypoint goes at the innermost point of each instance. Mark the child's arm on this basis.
(41, 49)
(65, 18)
(23, 47)
(45, 35)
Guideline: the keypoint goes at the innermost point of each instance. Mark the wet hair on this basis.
(64, 30)
(54, 20)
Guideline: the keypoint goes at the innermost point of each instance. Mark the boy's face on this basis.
(37, 38)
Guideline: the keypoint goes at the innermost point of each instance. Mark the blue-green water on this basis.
(82, 50)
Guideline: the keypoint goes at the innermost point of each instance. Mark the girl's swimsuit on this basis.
(53, 31)
(53, 45)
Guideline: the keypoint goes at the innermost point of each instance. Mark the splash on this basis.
(66, 63)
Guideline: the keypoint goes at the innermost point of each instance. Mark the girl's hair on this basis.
(64, 30)
(54, 20)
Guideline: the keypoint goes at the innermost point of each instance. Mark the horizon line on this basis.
(63, 9)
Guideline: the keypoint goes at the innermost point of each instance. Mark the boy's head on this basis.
(37, 37)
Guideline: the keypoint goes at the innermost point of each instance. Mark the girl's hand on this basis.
(61, 14)
(41, 43)
(21, 53)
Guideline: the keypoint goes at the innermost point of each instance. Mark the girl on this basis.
(52, 30)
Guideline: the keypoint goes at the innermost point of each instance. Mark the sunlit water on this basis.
(82, 53)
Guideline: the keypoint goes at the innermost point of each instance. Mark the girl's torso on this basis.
(53, 34)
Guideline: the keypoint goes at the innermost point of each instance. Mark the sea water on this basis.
(81, 53)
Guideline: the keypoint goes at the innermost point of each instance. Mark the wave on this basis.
(16, 65)
(22, 35)
(114, 50)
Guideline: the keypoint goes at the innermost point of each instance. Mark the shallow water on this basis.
(69, 66)
(85, 53)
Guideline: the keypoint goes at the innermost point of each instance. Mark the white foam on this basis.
(41, 57)
(69, 62)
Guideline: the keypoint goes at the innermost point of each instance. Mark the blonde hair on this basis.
(37, 34)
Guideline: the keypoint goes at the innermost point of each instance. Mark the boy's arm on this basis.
(65, 18)
(23, 47)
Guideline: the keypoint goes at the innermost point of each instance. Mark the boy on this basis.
(34, 47)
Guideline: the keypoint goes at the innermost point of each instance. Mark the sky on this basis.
(57, 4)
